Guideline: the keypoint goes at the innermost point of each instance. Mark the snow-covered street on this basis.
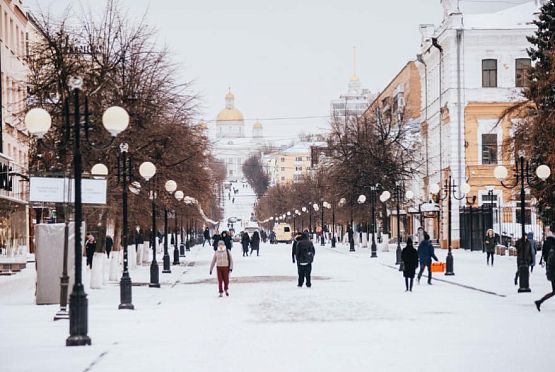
(355, 317)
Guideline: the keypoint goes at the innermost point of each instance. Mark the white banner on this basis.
(61, 190)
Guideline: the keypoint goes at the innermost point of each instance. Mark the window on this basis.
(489, 148)
(282, 160)
(283, 178)
(298, 169)
(299, 158)
(490, 200)
(489, 73)
(521, 72)
(283, 169)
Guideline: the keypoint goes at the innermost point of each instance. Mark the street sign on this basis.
(61, 190)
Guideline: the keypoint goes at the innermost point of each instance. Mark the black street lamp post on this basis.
(170, 187)
(179, 195)
(522, 177)
(125, 284)
(148, 172)
(38, 122)
(449, 190)
(361, 200)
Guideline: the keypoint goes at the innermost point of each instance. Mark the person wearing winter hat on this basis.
(224, 265)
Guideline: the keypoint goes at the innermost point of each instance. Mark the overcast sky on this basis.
(285, 58)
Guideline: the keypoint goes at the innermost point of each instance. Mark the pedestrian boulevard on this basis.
(355, 316)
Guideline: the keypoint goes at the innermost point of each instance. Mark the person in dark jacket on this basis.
(245, 241)
(206, 235)
(351, 237)
(490, 242)
(425, 255)
(227, 240)
(109, 245)
(533, 250)
(548, 245)
(409, 256)
(523, 256)
(304, 254)
(255, 243)
(215, 239)
(549, 267)
(263, 236)
(90, 247)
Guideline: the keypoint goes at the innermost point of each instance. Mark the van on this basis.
(284, 234)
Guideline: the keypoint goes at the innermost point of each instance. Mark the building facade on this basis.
(231, 144)
(14, 141)
(472, 67)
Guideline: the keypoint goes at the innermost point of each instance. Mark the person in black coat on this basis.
(227, 240)
(245, 241)
(109, 245)
(255, 243)
(215, 239)
(409, 256)
(304, 254)
(548, 256)
(206, 235)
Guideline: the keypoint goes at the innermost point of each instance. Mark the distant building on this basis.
(352, 103)
(231, 145)
(291, 163)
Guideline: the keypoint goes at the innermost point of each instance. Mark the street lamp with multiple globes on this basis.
(304, 210)
(170, 187)
(326, 205)
(179, 195)
(316, 208)
(361, 200)
(147, 170)
(449, 190)
(38, 121)
(522, 176)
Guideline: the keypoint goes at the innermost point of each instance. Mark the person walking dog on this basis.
(224, 265)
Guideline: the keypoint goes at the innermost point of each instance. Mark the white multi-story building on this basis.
(14, 141)
(472, 67)
(353, 103)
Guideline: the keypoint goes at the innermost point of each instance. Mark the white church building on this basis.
(231, 145)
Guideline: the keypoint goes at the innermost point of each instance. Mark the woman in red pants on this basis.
(224, 265)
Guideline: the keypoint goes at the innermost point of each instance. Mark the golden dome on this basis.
(230, 114)
(257, 125)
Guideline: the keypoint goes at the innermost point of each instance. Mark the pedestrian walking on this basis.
(206, 235)
(109, 245)
(263, 236)
(533, 250)
(351, 237)
(490, 242)
(304, 255)
(90, 247)
(255, 243)
(224, 265)
(409, 256)
(227, 240)
(523, 255)
(215, 239)
(245, 241)
(549, 259)
(425, 255)
(548, 245)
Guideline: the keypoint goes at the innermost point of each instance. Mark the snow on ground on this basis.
(356, 317)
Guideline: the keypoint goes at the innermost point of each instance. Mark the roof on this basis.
(519, 16)
(302, 147)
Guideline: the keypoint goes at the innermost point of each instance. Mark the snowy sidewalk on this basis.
(356, 317)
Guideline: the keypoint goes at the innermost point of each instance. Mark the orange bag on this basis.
(438, 267)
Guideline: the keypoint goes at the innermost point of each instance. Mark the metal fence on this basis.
(505, 221)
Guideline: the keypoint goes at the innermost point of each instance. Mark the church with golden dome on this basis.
(231, 144)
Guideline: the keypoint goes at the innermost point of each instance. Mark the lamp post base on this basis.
(351, 246)
(176, 256)
(449, 264)
(154, 275)
(78, 317)
(523, 279)
(166, 264)
(322, 241)
(125, 296)
(374, 250)
(398, 255)
(333, 240)
(181, 250)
